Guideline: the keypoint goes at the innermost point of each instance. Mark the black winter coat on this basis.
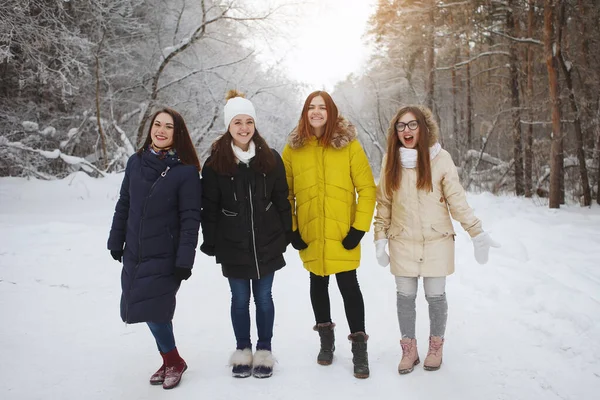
(245, 218)
(157, 219)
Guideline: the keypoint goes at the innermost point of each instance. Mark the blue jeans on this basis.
(163, 334)
(240, 311)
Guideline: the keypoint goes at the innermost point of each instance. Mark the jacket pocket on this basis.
(444, 230)
(395, 232)
(174, 239)
(228, 213)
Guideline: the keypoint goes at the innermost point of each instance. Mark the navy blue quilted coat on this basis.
(156, 222)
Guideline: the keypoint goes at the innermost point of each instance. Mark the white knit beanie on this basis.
(236, 105)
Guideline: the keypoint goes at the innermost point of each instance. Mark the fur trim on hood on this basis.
(343, 134)
(434, 129)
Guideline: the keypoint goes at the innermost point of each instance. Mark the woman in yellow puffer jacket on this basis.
(418, 191)
(326, 167)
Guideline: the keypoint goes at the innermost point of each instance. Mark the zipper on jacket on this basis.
(265, 184)
(162, 175)
(253, 235)
(233, 188)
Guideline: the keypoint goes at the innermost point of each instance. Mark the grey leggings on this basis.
(435, 293)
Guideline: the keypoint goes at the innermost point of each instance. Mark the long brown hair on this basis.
(393, 166)
(182, 142)
(305, 131)
(222, 159)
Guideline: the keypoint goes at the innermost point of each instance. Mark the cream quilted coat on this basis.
(417, 223)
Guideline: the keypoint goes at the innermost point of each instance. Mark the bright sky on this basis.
(325, 42)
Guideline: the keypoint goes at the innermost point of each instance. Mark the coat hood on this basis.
(434, 129)
(343, 134)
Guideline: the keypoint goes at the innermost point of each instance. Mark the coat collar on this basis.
(344, 133)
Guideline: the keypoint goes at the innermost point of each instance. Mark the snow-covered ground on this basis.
(521, 327)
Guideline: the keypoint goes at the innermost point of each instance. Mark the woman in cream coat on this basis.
(418, 191)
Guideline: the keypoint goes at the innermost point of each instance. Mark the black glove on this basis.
(207, 249)
(182, 273)
(296, 240)
(117, 255)
(353, 238)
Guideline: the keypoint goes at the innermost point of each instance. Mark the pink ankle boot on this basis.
(433, 361)
(410, 356)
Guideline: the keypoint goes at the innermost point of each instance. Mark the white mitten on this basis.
(382, 256)
(481, 246)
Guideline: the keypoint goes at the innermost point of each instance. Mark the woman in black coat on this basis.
(155, 232)
(245, 219)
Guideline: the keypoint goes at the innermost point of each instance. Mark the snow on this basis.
(569, 65)
(30, 126)
(48, 131)
(521, 327)
(72, 132)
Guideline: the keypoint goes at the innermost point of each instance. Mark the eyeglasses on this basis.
(412, 125)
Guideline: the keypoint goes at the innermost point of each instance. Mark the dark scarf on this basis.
(162, 154)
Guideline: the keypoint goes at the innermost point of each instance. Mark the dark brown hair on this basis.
(222, 159)
(393, 166)
(182, 142)
(305, 131)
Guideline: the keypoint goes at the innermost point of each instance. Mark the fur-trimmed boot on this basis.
(360, 357)
(175, 366)
(325, 330)
(433, 361)
(241, 363)
(158, 377)
(410, 356)
(262, 365)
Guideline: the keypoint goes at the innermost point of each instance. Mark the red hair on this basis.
(305, 131)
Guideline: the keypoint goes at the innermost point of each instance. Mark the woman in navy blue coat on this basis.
(245, 218)
(155, 232)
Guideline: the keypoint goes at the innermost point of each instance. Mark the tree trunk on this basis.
(529, 131)
(556, 158)
(98, 118)
(455, 130)
(430, 57)
(567, 69)
(597, 152)
(197, 34)
(469, 118)
(515, 103)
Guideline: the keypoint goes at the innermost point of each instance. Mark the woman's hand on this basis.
(481, 246)
(208, 250)
(382, 256)
(182, 273)
(117, 255)
(353, 238)
(296, 240)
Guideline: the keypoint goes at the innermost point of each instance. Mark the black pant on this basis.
(353, 299)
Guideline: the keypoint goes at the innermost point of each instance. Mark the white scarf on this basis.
(408, 157)
(244, 156)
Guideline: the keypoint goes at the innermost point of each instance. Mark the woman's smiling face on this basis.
(162, 131)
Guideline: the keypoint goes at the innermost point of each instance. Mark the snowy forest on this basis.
(514, 84)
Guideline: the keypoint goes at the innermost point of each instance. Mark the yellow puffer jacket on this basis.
(323, 182)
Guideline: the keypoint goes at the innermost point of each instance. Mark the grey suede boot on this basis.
(325, 330)
(360, 356)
